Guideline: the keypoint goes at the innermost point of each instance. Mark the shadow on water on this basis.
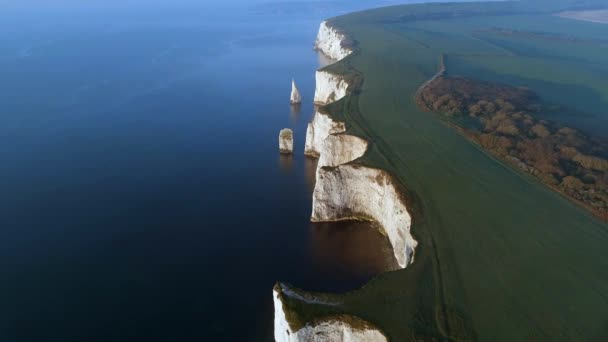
(310, 172)
(348, 254)
(286, 163)
(295, 112)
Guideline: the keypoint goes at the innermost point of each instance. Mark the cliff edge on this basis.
(344, 190)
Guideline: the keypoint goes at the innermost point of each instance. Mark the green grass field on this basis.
(501, 257)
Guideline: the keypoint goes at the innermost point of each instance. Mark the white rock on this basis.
(340, 149)
(351, 192)
(359, 192)
(282, 330)
(330, 42)
(318, 129)
(329, 88)
(286, 141)
(331, 329)
(295, 98)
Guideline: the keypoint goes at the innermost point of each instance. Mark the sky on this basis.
(37, 5)
(48, 4)
(106, 4)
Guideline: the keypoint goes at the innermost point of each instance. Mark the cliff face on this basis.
(332, 42)
(358, 192)
(340, 149)
(318, 129)
(349, 191)
(331, 329)
(343, 191)
(329, 88)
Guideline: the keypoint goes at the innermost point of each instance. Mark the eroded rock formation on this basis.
(286, 141)
(295, 98)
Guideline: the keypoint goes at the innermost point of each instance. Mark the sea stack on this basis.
(296, 98)
(286, 141)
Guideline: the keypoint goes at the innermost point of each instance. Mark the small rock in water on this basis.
(286, 141)
(296, 98)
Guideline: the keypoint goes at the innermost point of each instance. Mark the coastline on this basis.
(339, 152)
(440, 288)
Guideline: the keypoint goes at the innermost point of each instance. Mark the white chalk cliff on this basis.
(345, 190)
(295, 98)
(286, 141)
(331, 42)
(338, 149)
(331, 329)
(348, 191)
(329, 88)
(351, 191)
(318, 129)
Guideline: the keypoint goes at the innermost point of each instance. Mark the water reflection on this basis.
(286, 162)
(310, 172)
(352, 250)
(295, 111)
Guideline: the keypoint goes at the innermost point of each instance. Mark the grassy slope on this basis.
(501, 257)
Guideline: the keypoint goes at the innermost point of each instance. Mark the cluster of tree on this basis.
(562, 157)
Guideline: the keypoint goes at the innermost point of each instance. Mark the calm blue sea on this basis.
(143, 196)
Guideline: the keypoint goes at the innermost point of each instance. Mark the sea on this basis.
(143, 197)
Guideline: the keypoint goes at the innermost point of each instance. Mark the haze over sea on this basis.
(143, 196)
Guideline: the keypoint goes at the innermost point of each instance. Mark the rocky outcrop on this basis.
(286, 141)
(295, 98)
(329, 329)
(318, 129)
(329, 88)
(333, 43)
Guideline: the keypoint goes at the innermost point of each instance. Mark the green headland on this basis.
(501, 256)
